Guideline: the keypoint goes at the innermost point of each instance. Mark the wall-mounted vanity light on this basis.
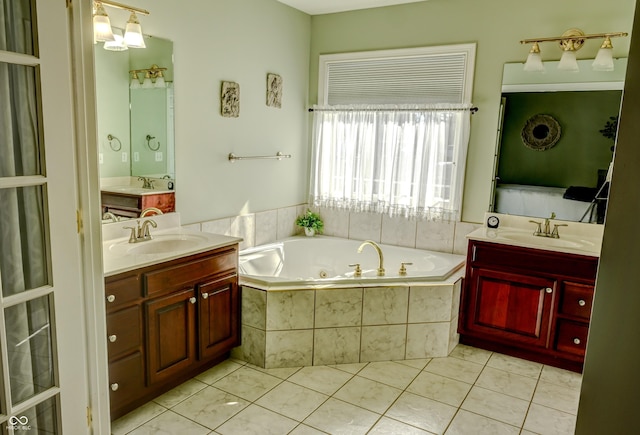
(570, 42)
(153, 77)
(102, 31)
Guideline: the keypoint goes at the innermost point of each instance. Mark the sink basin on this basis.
(546, 241)
(161, 244)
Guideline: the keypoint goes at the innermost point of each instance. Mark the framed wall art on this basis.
(274, 90)
(230, 100)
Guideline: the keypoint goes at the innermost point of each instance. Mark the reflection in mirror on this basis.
(135, 126)
(554, 144)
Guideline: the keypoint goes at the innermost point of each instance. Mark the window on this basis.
(393, 134)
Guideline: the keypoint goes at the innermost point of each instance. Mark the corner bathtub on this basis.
(310, 262)
(302, 306)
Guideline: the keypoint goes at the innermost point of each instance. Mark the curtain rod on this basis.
(471, 109)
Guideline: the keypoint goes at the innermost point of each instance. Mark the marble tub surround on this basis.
(349, 325)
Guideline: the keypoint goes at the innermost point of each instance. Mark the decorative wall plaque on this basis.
(230, 99)
(540, 132)
(274, 90)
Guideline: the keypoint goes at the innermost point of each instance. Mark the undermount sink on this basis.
(546, 241)
(160, 244)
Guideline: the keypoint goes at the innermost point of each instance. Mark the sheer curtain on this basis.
(400, 160)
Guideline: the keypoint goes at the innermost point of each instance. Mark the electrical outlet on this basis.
(100, 158)
(158, 156)
(136, 156)
(124, 157)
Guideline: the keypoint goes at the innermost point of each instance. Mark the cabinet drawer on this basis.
(188, 274)
(126, 380)
(576, 300)
(124, 332)
(122, 292)
(571, 337)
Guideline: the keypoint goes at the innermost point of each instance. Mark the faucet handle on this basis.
(358, 271)
(132, 237)
(538, 229)
(403, 269)
(555, 233)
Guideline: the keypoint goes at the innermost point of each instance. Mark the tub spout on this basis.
(378, 250)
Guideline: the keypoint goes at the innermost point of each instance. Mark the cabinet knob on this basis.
(576, 341)
(115, 386)
(548, 290)
(192, 300)
(111, 298)
(582, 303)
(205, 295)
(113, 338)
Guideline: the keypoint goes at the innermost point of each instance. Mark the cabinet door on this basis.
(218, 316)
(171, 343)
(510, 306)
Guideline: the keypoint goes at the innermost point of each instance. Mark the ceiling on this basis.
(317, 7)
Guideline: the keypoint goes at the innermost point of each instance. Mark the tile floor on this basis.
(472, 391)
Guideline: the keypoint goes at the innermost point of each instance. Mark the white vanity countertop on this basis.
(113, 245)
(132, 190)
(576, 238)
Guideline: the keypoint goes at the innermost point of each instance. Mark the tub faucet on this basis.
(378, 250)
(109, 215)
(148, 210)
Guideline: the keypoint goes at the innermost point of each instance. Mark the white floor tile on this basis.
(390, 373)
(368, 394)
(557, 396)
(454, 368)
(338, 417)
(388, 426)
(515, 365)
(497, 406)
(323, 379)
(466, 423)
(170, 423)
(303, 429)
(547, 421)
(421, 412)
(219, 371)
(293, 401)
(136, 418)
(439, 388)
(180, 393)
(558, 376)
(211, 407)
(508, 383)
(472, 354)
(247, 383)
(255, 420)
(419, 363)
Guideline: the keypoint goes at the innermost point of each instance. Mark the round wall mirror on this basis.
(540, 132)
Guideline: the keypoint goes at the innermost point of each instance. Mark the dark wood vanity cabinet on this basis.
(529, 303)
(168, 322)
(131, 205)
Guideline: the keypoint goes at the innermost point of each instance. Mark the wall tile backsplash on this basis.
(271, 225)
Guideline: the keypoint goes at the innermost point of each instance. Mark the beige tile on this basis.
(349, 368)
(562, 377)
(435, 236)
(515, 365)
(382, 343)
(218, 372)
(335, 308)
(292, 400)
(218, 226)
(430, 304)
(170, 423)
(290, 310)
(472, 354)
(244, 226)
(508, 383)
(387, 426)
(282, 372)
(454, 368)
(135, 418)
(557, 396)
(254, 307)
(323, 379)
(497, 406)
(336, 222)
(385, 305)
(287, 222)
(255, 420)
(335, 416)
(336, 346)
(303, 429)
(460, 242)
(454, 337)
(247, 383)
(398, 231)
(543, 420)
(439, 388)
(180, 393)
(427, 340)
(289, 348)
(365, 226)
(421, 412)
(416, 363)
(211, 407)
(368, 394)
(266, 227)
(390, 373)
(466, 423)
(252, 349)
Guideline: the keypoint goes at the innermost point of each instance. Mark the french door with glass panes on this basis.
(43, 385)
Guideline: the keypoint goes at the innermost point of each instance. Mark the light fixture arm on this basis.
(575, 37)
(154, 71)
(123, 6)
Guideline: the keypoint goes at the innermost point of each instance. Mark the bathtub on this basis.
(302, 305)
(321, 261)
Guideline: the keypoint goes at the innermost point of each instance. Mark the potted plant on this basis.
(311, 223)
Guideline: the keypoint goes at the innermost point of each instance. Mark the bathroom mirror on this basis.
(564, 169)
(135, 126)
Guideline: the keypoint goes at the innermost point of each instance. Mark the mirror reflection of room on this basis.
(556, 143)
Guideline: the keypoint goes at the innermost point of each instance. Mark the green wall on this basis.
(581, 147)
(497, 26)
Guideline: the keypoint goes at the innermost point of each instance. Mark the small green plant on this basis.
(310, 220)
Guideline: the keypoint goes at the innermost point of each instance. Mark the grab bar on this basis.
(279, 156)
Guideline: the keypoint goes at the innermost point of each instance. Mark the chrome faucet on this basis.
(378, 250)
(147, 183)
(141, 233)
(148, 210)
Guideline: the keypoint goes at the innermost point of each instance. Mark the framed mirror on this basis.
(135, 125)
(554, 144)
